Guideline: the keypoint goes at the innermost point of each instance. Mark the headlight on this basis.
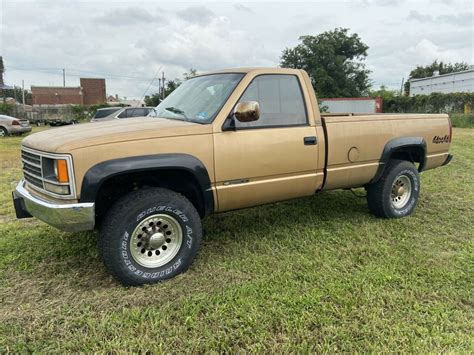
(56, 175)
(57, 189)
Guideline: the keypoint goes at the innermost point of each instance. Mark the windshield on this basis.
(198, 99)
(101, 113)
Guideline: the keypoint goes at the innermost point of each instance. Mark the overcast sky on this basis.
(127, 42)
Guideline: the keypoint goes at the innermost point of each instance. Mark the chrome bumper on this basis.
(70, 217)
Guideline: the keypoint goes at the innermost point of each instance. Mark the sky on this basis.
(131, 42)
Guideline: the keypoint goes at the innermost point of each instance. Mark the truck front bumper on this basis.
(69, 217)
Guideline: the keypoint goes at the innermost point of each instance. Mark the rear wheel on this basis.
(150, 235)
(396, 193)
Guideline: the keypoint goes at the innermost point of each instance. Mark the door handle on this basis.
(310, 140)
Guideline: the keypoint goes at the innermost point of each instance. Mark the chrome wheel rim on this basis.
(401, 191)
(156, 240)
(2, 133)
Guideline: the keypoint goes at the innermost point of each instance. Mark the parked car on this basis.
(108, 114)
(62, 122)
(103, 113)
(222, 141)
(11, 125)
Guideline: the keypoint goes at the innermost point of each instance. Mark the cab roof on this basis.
(246, 70)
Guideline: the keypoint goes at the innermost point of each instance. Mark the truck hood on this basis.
(67, 138)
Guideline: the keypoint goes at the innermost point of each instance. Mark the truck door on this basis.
(271, 159)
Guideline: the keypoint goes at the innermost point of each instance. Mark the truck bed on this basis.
(355, 142)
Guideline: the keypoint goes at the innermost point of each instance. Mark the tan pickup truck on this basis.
(222, 141)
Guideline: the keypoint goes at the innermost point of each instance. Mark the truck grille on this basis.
(32, 168)
(35, 176)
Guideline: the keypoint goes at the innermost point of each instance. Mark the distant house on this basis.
(113, 100)
(116, 100)
(462, 81)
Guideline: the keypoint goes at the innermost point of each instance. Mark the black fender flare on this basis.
(399, 144)
(101, 172)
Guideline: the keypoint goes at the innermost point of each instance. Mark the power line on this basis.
(148, 88)
(57, 71)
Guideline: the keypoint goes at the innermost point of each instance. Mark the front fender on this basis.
(100, 173)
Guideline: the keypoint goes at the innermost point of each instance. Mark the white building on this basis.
(462, 81)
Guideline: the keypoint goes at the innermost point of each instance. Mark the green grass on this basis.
(316, 274)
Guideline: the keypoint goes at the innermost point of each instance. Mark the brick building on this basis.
(91, 91)
(56, 95)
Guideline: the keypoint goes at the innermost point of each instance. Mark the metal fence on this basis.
(42, 114)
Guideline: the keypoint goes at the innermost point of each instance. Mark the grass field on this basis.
(316, 274)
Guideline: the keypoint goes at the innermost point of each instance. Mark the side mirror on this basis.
(247, 111)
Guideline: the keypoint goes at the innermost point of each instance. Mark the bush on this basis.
(6, 109)
(462, 121)
(433, 103)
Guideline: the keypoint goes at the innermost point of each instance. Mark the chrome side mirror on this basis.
(247, 111)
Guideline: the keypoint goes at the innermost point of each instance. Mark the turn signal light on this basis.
(61, 166)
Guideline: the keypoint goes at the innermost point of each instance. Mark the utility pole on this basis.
(163, 83)
(23, 92)
(401, 88)
(159, 88)
(2, 84)
(64, 76)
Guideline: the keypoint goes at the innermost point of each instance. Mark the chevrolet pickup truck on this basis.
(222, 141)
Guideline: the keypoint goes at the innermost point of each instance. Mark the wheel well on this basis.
(179, 181)
(414, 154)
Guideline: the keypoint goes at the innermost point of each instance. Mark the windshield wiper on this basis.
(176, 110)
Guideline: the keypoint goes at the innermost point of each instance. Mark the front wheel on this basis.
(396, 193)
(150, 235)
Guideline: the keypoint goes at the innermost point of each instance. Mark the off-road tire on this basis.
(120, 228)
(380, 195)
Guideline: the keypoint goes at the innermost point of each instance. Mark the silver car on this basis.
(112, 113)
(11, 125)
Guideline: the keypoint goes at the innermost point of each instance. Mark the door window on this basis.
(280, 99)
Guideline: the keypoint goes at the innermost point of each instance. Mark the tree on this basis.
(17, 94)
(155, 99)
(334, 62)
(171, 85)
(2, 70)
(428, 71)
(384, 93)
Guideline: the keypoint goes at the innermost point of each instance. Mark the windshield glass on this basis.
(198, 99)
(101, 113)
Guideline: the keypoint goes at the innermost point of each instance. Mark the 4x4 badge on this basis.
(438, 139)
